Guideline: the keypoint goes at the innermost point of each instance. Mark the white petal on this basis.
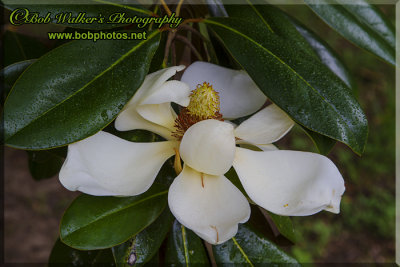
(265, 127)
(212, 207)
(239, 95)
(154, 90)
(130, 119)
(290, 183)
(160, 114)
(104, 164)
(171, 91)
(209, 146)
(153, 83)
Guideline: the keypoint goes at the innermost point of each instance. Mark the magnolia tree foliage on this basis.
(170, 136)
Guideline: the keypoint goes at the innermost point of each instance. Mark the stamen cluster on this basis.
(204, 104)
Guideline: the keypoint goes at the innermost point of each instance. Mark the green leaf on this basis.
(57, 101)
(63, 255)
(363, 24)
(279, 23)
(297, 82)
(326, 54)
(46, 163)
(11, 73)
(322, 143)
(142, 247)
(184, 247)
(92, 9)
(21, 47)
(93, 222)
(234, 178)
(250, 248)
(284, 225)
(274, 20)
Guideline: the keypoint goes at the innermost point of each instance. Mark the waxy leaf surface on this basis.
(143, 246)
(63, 255)
(250, 248)
(74, 91)
(184, 247)
(93, 222)
(362, 23)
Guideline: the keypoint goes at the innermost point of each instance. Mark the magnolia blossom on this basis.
(284, 182)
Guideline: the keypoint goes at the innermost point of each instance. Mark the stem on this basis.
(166, 8)
(190, 45)
(178, 8)
(188, 28)
(186, 21)
(171, 36)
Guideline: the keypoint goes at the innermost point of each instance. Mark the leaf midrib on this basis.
(242, 252)
(87, 84)
(297, 74)
(112, 212)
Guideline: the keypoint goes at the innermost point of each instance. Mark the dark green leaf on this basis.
(297, 82)
(250, 248)
(234, 178)
(46, 163)
(142, 247)
(93, 222)
(73, 11)
(293, 31)
(11, 73)
(185, 248)
(363, 24)
(323, 143)
(284, 225)
(57, 101)
(21, 47)
(274, 20)
(277, 22)
(159, 54)
(65, 256)
(326, 54)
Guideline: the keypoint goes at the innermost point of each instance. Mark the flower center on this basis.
(204, 104)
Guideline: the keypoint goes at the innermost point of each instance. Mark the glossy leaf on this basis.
(11, 73)
(277, 22)
(93, 222)
(46, 163)
(249, 248)
(361, 23)
(142, 247)
(185, 248)
(75, 12)
(21, 47)
(57, 101)
(297, 82)
(273, 20)
(326, 54)
(293, 31)
(63, 255)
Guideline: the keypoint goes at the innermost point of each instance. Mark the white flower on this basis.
(201, 197)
